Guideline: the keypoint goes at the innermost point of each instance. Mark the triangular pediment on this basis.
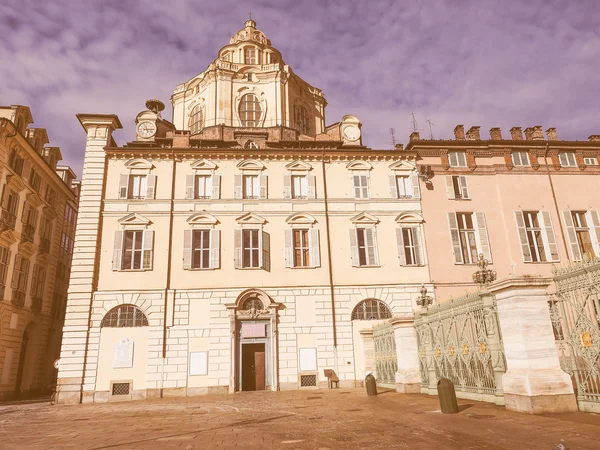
(298, 165)
(26, 248)
(134, 219)
(403, 165)
(359, 165)
(364, 217)
(409, 217)
(301, 218)
(202, 219)
(250, 164)
(8, 237)
(251, 219)
(15, 183)
(203, 164)
(34, 199)
(139, 163)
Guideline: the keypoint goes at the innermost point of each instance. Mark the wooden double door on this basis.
(253, 367)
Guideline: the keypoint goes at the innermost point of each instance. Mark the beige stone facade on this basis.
(37, 228)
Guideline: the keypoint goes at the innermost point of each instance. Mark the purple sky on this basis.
(501, 63)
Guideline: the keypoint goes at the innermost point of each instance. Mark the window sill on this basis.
(200, 269)
(369, 266)
(250, 268)
(303, 267)
(412, 265)
(461, 199)
(132, 270)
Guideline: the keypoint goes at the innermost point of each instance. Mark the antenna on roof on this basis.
(414, 122)
(430, 129)
(393, 133)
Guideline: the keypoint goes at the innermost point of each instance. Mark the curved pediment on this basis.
(364, 218)
(250, 164)
(8, 237)
(301, 218)
(359, 165)
(203, 164)
(34, 199)
(202, 219)
(403, 165)
(298, 165)
(409, 217)
(251, 219)
(139, 163)
(15, 183)
(134, 219)
(26, 248)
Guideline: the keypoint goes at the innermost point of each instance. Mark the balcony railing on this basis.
(28, 232)
(18, 298)
(44, 245)
(405, 197)
(8, 219)
(36, 304)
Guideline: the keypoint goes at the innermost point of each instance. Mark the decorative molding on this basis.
(134, 219)
(203, 164)
(139, 163)
(251, 219)
(301, 218)
(364, 218)
(250, 164)
(409, 217)
(359, 165)
(298, 165)
(403, 165)
(202, 219)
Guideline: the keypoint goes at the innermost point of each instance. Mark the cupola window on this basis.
(250, 55)
(249, 110)
(302, 120)
(196, 120)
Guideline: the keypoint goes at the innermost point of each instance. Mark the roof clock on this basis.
(350, 132)
(147, 122)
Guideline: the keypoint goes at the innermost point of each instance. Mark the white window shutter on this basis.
(416, 188)
(593, 222)
(288, 249)
(263, 186)
(464, 190)
(287, 186)
(393, 186)
(266, 250)
(237, 186)
(237, 251)
(452, 158)
(416, 237)
(356, 185)
(372, 254)
(575, 251)
(148, 249)
(123, 185)
(117, 250)
(481, 236)
(189, 186)
(311, 191)
(550, 244)
(151, 187)
(450, 187)
(187, 249)
(216, 187)
(354, 248)
(455, 238)
(215, 243)
(400, 246)
(522, 232)
(313, 243)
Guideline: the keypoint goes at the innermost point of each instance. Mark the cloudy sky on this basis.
(488, 63)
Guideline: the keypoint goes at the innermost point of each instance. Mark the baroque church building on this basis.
(242, 245)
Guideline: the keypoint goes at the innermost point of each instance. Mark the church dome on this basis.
(250, 33)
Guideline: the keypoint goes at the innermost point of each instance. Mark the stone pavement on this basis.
(338, 419)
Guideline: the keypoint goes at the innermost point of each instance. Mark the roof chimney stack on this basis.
(528, 133)
(551, 134)
(538, 134)
(516, 134)
(473, 134)
(459, 132)
(414, 136)
(495, 134)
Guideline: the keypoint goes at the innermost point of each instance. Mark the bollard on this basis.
(371, 385)
(447, 396)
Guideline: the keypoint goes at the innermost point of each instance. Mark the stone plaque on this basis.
(123, 354)
(308, 359)
(254, 330)
(199, 363)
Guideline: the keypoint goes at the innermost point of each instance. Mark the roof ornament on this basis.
(156, 106)
(250, 23)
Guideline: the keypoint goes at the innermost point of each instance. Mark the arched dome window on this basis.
(250, 56)
(196, 120)
(249, 110)
(124, 316)
(371, 309)
(250, 144)
(302, 124)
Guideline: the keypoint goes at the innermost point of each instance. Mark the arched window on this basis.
(124, 316)
(371, 309)
(196, 120)
(250, 144)
(249, 110)
(302, 124)
(253, 303)
(226, 56)
(250, 55)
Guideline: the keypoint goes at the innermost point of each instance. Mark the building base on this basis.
(541, 404)
(408, 388)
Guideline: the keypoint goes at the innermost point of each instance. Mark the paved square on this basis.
(333, 419)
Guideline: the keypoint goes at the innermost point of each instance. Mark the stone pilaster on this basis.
(369, 351)
(408, 375)
(534, 382)
(77, 376)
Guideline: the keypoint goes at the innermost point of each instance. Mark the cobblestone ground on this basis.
(337, 419)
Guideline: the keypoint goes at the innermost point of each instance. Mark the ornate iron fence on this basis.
(461, 340)
(574, 311)
(386, 360)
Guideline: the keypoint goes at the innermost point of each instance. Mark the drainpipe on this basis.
(562, 230)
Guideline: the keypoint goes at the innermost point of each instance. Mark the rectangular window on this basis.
(132, 250)
(15, 162)
(250, 248)
(457, 159)
(34, 179)
(301, 248)
(203, 186)
(567, 159)
(365, 238)
(200, 249)
(404, 186)
(410, 246)
(20, 274)
(4, 255)
(582, 231)
(50, 196)
(10, 203)
(299, 186)
(520, 158)
(590, 161)
(250, 56)
(137, 186)
(251, 186)
(534, 236)
(468, 241)
(361, 185)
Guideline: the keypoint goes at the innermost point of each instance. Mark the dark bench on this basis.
(332, 378)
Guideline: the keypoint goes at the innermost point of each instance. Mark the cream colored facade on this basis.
(37, 229)
(262, 234)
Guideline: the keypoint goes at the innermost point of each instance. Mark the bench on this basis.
(332, 378)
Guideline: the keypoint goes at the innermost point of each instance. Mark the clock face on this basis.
(351, 132)
(146, 129)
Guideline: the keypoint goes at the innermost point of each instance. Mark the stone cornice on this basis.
(496, 147)
(492, 169)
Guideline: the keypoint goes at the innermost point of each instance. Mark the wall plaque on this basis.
(123, 354)
(199, 363)
(254, 330)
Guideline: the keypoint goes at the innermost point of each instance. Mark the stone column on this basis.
(369, 351)
(534, 382)
(408, 375)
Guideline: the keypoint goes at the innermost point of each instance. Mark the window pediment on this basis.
(202, 219)
(301, 219)
(26, 249)
(251, 219)
(364, 218)
(359, 165)
(15, 183)
(298, 165)
(34, 199)
(134, 219)
(203, 164)
(8, 237)
(139, 163)
(250, 164)
(403, 166)
(409, 217)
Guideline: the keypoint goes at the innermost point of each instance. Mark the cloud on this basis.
(510, 63)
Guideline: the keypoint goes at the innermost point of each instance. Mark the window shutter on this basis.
(34, 217)
(287, 186)
(266, 250)
(215, 251)
(263, 186)
(525, 250)
(415, 186)
(393, 186)
(5, 195)
(371, 238)
(464, 190)
(237, 187)
(311, 190)
(550, 245)
(25, 213)
(34, 280)
(187, 249)
(576, 252)
(237, 253)
(151, 187)
(313, 243)
(354, 248)
(288, 250)
(400, 246)
(416, 237)
(563, 160)
(216, 187)
(147, 249)
(481, 236)
(25, 275)
(26, 169)
(450, 187)
(14, 283)
(123, 185)
(117, 250)
(594, 226)
(189, 186)
(455, 238)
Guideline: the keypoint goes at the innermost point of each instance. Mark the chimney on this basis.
(496, 134)
(551, 134)
(538, 134)
(459, 132)
(414, 136)
(528, 133)
(516, 134)
(473, 134)
(594, 138)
